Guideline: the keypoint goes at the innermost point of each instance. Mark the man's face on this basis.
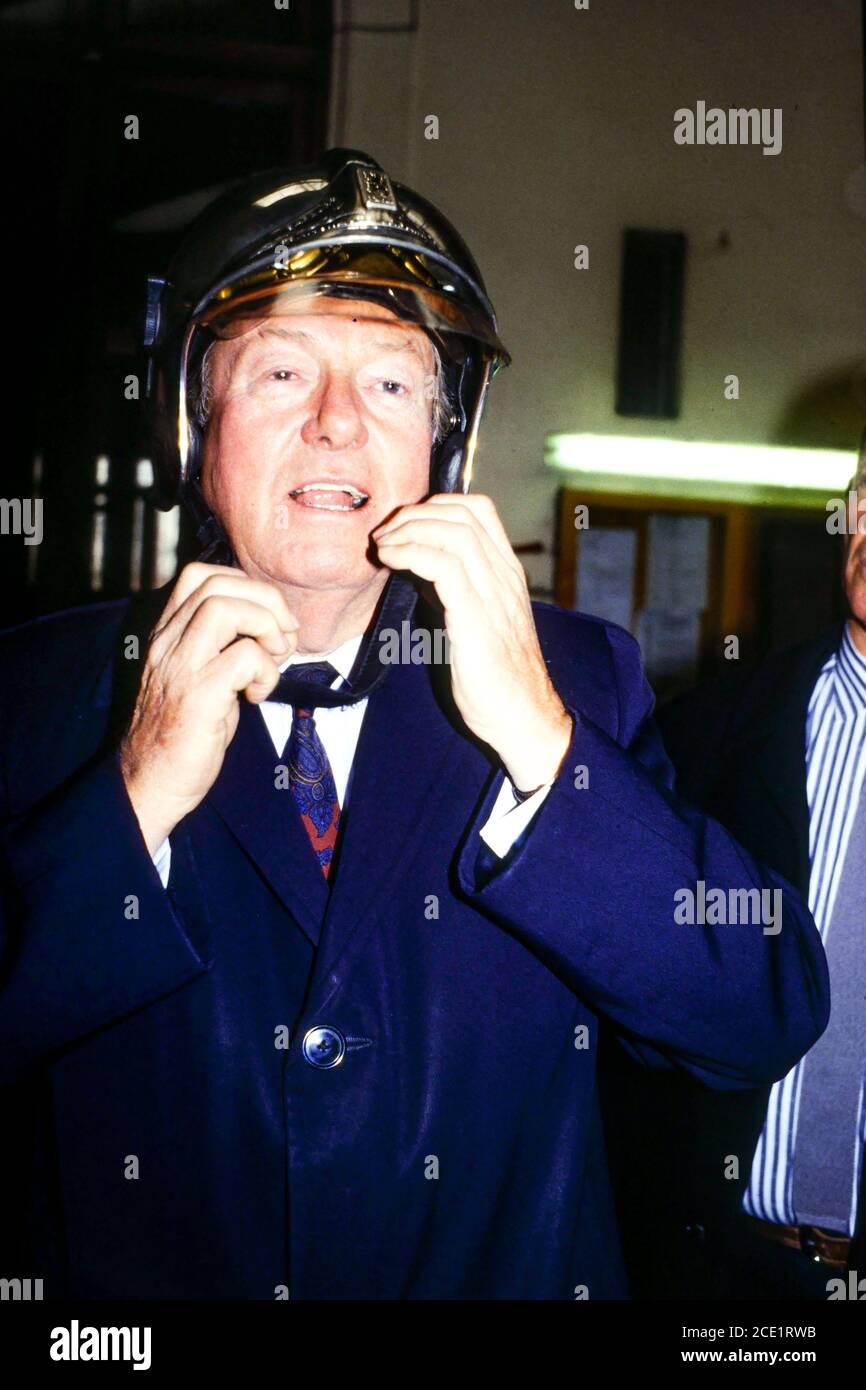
(312, 413)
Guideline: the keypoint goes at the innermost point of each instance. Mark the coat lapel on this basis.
(116, 685)
(411, 761)
(413, 754)
(262, 817)
(780, 762)
(264, 820)
(774, 745)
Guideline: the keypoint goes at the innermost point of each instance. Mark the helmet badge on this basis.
(376, 190)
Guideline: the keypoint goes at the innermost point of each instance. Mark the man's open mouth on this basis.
(330, 497)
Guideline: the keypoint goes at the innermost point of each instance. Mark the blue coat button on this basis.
(324, 1047)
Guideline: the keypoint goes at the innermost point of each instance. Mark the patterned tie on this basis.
(310, 775)
(828, 1147)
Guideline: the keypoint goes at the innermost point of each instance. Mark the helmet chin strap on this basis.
(396, 605)
(400, 594)
(450, 471)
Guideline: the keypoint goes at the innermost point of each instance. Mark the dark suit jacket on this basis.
(738, 748)
(457, 1149)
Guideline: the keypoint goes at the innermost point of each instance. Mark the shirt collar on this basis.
(850, 676)
(342, 658)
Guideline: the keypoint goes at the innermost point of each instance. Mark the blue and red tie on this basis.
(310, 775)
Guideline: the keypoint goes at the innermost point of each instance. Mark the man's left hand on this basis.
(498, 675)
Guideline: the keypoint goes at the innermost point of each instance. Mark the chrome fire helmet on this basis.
(267, 247)
(264, 248)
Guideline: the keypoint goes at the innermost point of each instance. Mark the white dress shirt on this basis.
(339, 729)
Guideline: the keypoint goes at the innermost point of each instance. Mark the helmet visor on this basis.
(416, 286)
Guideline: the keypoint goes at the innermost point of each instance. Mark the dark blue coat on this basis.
(456, 1152)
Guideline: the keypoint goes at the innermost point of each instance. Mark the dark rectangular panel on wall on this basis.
(650, 318)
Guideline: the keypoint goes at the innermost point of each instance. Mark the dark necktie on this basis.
(310, 775)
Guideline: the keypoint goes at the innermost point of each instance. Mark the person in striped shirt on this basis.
(761, 1194)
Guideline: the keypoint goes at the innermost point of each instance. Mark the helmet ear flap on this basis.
(198, 347)
(195, 451)
(446, 472)
(464, 384)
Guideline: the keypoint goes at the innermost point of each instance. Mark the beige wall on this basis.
(556, 128)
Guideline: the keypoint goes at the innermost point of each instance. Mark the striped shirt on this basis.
(835, 766)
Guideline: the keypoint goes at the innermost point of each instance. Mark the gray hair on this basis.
(443, 418)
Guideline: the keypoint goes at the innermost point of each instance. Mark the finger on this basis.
(444, 569)
(221, 582)
(481, 560)
(191, 577)
(218, 622)
(244, 666)
(484, 510)
(234, 583)
(453, 508)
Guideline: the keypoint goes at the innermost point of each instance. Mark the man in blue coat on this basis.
(312, 918)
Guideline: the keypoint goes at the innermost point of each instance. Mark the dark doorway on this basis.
(217, 89)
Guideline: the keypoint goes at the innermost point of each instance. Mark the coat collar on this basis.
(411, 755)
(116, 684)
(260, 815)
(772, 735)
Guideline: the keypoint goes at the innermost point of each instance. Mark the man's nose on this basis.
(336, 420)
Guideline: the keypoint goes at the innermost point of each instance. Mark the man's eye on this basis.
(392, 388)
(282, 374)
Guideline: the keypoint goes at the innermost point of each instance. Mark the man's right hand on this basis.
(220, 633)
